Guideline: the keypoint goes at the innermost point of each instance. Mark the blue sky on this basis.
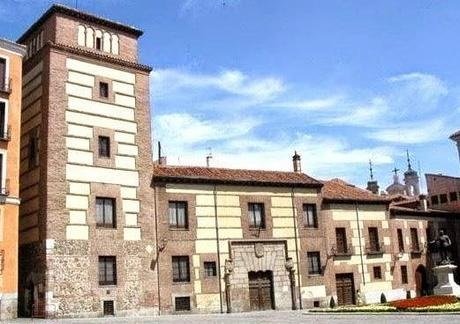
(339, 81)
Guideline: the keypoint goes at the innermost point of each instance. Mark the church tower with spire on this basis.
(411, 179)
(396, 188)
(372, 185)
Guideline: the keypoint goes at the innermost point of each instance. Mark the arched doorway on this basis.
(421, 285)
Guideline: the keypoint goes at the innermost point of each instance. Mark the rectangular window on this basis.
(107, 270)
(443, 198)
(182, 304)
(434, 200)
(109, 308)
(104, 146)
(3, 82)
(105, 212)
(414, 239)
(210, 269)
(33, 148)
(98, 43)
(404, 274)
(341, 240)
(310, 216)
(314, 263)
(453, 196)
(103, 89)
(180, 269)
(400, 240)
(374, 245)
(3, 126)
(178, 216)
(256, 214)
(377, 273)
(3, 189)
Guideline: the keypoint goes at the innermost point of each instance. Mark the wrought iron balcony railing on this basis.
(342, 251)
(5, 85)
(375, 248)
(5, 133)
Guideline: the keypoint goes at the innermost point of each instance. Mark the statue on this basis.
(442, 245)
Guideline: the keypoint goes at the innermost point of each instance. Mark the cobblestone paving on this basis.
(266, 317)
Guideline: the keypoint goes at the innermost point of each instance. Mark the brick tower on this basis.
(86, 246)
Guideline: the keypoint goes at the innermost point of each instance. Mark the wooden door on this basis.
(345, 289)
(261, 290)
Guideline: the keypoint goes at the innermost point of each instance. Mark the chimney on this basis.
(423, 203)
(296, 162)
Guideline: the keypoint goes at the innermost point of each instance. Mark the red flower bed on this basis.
(423, 301)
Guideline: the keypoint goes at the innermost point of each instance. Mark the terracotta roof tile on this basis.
(339, 190)
(232, 176)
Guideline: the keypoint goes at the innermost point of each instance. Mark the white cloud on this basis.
(184, 129)
(412, 133)
(309, 104)
(167, 81)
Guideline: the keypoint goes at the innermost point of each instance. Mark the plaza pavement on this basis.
(266, 317)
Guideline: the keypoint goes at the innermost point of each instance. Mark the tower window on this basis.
(104, 146)
(99, 43)
(103, 89)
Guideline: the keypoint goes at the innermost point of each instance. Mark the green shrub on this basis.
(383, 299)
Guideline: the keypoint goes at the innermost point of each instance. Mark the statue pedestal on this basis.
(446, 284)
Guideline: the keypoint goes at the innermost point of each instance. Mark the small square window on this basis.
(104, 146)
(434, 200)
(453, 196)
(210, 269)
(109, 308)
(182, 304)
(377, 273)
(316, 304)
(103, 89)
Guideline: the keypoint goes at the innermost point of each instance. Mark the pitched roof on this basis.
(341, 191)
(192, 174)
(59, 8)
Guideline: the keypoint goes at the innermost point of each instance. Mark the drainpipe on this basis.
(218, 249)
(360, 243)
(296, 246)
(155, 193)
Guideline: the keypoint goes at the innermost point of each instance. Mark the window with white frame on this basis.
(3, 182)
(4, 120)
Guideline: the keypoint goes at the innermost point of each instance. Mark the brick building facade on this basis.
(104, 231)
(86, 243)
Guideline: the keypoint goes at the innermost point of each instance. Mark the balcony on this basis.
(4, 191)
(5, 134)
(342, 251)
(375, 249)
(5, 86)
(416, 249)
